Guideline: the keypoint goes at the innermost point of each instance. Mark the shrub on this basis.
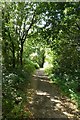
(14, 95)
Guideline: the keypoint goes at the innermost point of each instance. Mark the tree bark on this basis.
(13, 52)
(21, 53)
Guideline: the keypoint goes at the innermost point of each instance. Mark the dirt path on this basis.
(46, 101)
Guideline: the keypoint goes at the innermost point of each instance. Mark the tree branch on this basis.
(77, 26)
(25, 33)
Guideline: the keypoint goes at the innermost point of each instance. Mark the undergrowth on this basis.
(68, 86)
(15, 82)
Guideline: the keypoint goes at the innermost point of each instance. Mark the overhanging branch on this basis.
(77, 26)
(25, 33)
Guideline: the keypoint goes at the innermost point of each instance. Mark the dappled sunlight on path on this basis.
(46, 101)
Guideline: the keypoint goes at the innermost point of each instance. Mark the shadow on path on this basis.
(46, 101)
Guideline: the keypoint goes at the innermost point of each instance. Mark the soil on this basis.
(45, 99)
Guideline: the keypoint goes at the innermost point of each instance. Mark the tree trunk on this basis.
(5, 55)
(18, 56)
(43, 60)
(13, 52)
(21, 54)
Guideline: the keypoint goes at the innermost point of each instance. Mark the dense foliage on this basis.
(37, 35)
(63, 36)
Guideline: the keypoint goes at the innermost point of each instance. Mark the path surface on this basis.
(46, 101)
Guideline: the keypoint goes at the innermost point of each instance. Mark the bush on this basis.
(68, 85)
(14, 95)
(36, 65)
(29, 66)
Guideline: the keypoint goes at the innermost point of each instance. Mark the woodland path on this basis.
(46, 101)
